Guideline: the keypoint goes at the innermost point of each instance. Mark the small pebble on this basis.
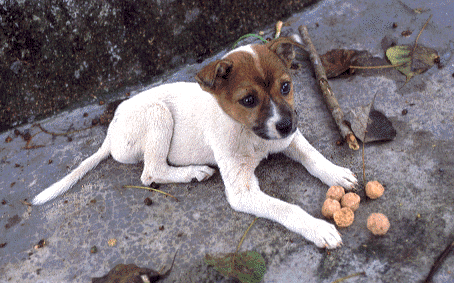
(112, 242)
(40, 244)
(154, 185)
(148, 201)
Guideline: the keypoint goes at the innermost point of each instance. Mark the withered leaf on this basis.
(370, 125)
(131, 273)
(127, 273)
(338, 61)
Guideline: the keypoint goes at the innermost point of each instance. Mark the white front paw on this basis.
(323, 234)
(334, 175)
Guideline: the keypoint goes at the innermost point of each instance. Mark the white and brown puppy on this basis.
(241, 111)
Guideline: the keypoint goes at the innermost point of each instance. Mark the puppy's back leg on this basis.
(160, 125)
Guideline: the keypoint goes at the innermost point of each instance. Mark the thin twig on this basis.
(439, 262)
(28, 146)
(377, 67)
(60, 134)
(419, 34)
(327, 92)
(364, 165)
(164, 275)
(25, 202)
(244, 235)
(149, 189)
(350, 276)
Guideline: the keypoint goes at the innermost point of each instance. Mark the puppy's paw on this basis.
(201, 173)
(146, 180)
(323, 234)
(334, 175)
(172, 174)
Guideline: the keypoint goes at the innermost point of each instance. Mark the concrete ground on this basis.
(417, 169)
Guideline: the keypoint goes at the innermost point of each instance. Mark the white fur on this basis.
(178, 129)
(272, 121)
(245, 48)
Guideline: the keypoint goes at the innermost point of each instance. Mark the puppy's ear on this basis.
(217, 69)
(283, 47)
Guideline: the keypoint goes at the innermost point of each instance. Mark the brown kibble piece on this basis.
(344, 217)
(378, 223)
(335, 192)
(329, 207)
(374, 189)
(350, 200)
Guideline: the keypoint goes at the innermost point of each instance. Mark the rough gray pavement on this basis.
(417, 169)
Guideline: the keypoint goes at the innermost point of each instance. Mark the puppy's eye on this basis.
(285, 88)
(249, 101)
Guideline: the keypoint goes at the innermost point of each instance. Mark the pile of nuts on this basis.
(341, 207)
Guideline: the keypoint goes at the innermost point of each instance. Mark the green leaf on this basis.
(410, 61)
(401, 55)
(248, 267)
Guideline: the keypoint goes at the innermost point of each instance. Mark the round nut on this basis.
(335, 192)
(378, 224)
(329, 207)
(344, 217)
(374, 189)
(350, 200)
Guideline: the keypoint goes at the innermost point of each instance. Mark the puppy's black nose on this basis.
(284, 127)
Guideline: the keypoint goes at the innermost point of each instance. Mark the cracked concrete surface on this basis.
(417, 169)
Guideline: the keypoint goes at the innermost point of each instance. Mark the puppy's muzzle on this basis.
(280, 129)
(285, 127)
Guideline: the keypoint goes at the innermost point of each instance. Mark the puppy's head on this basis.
(252, 85)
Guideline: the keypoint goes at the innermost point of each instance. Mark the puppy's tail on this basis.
(69, 180)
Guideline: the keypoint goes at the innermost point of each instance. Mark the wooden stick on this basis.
(328, 94)
(279, 25)
(438, 262)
